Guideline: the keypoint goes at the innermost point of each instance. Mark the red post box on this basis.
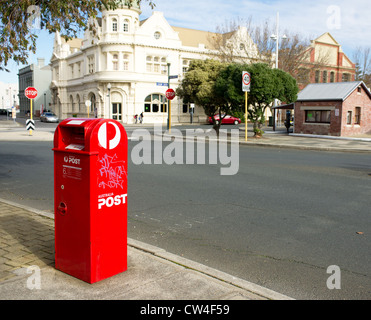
(90, 198)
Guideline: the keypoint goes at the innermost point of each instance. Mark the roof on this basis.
(192, 38)
(330, 91)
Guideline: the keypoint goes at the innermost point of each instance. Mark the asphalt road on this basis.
(280, 222)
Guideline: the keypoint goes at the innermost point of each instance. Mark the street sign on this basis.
(170, 94)
(173, 77)
(30, 124)
(30, 93)
(161, 84)
(246, 81)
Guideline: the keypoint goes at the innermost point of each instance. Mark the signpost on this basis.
(14, 113)
(31, 93)
(88, 105)
(246, 81)
(170, 95)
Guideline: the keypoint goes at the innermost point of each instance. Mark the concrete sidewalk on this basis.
(27, 249)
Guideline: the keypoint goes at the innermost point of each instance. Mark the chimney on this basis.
(40, 62)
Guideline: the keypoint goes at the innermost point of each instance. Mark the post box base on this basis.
(89, 276)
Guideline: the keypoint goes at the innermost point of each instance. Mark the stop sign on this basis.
(170, 94)
(30, 93)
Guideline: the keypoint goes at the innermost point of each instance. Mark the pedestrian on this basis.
(141, 117)
(136, 118)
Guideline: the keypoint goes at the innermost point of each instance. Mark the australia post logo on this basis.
(109, 135)
(71, 160)
(109, 200)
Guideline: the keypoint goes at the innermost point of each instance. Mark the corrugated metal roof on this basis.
(328, 91)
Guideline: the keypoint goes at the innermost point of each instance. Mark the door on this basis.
(117, 111)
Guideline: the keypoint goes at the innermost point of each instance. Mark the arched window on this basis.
(155, 103)
(93, 104)
(71, 103)
(332, 76)
(126, 25)
(126, 62)
(78, 104)
(115, 61)
(114, 25)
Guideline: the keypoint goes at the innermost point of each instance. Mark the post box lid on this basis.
(88, 135)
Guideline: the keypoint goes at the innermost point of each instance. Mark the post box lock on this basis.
(62, 208)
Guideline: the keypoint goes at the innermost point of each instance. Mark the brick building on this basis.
(335, 109)
(325, 62)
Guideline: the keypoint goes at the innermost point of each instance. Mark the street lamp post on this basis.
(276, 37)
(168, 101)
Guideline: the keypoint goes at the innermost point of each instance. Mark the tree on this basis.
(267, 84)
(257, 46)
(198, 86)
(18, 36)
(362, 60)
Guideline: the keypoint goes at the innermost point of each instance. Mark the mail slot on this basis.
(90, 198)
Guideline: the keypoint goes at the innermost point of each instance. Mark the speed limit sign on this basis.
(246, 81)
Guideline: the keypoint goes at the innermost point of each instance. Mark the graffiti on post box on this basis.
(111, 172)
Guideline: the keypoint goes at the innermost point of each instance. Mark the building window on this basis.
(357, 117)
(155, 103)
(346, 77)
(324, 77)
(317, 76)
(349, 117)
(115, 61)
(56, 75)
(332, 76)
(114, 25)
(185, 107)
(317, 116)
(303, 75)
(185, 67)
(157, 35)
(156, 65)
(126, 62)
(91, 64)
(126, 25)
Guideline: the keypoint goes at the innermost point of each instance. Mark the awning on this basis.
(285, 106)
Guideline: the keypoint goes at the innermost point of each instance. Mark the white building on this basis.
(37, 76)
(8, 96)
(124, 70)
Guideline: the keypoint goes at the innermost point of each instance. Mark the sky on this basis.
(348, 22)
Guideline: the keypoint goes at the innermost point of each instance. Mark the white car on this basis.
(49, 117)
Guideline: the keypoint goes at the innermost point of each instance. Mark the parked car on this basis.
(49, 117)
(226, 120)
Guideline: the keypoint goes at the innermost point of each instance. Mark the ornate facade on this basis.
(125, 69)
